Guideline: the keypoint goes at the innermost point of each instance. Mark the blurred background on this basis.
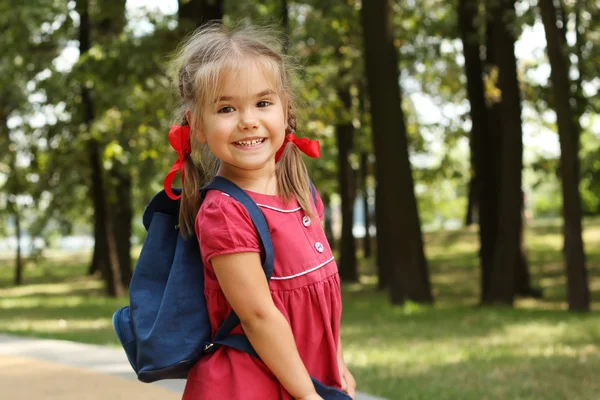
(459, 168)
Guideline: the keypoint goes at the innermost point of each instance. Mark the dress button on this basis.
(319, 247)
(306, 220)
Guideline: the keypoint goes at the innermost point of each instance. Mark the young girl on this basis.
(237, 99)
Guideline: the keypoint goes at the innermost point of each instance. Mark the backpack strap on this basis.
(313, 192)
(222, 336)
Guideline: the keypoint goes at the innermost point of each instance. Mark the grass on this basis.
(453, 350)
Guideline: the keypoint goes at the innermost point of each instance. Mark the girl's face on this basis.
(245, 126)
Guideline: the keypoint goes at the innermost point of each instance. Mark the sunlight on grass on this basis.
(53, 325)
(451, 350)
(54, 288)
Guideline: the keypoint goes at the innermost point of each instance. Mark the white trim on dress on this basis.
(274, 208)
(281, 278)
(279, 209)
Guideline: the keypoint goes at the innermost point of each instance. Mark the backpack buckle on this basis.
(208, 347)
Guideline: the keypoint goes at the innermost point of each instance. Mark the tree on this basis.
(344, 136)
(109, 21)
(399, 237)
(578, 295)
(467, 13)
(506, 112)
(105, 247)
(13, 187)
(364, 173)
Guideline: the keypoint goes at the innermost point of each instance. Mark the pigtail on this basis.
(291, 172)
(189, 202)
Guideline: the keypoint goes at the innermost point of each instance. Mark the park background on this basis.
(467, 130)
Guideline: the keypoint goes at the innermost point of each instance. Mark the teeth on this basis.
(250, 142)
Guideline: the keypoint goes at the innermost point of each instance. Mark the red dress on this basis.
(305, 287)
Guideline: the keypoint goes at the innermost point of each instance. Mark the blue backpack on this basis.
(166, 329)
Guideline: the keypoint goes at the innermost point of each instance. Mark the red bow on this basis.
(179, 137)
(311, 148)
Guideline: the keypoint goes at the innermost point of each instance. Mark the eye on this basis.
(226, 110)
(263, 103)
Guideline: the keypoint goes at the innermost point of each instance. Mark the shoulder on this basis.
(223, 226)
(217, 203)
(219, 209)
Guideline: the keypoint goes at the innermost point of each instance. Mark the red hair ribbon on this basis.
(179, 137)
(311, 148)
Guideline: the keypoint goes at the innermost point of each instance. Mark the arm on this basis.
(243, 282)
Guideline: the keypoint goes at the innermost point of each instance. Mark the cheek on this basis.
(201, 137)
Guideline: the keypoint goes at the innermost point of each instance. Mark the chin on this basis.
(253, 165)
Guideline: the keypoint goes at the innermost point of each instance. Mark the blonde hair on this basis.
(201, 61)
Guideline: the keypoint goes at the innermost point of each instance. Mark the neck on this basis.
(261, 180)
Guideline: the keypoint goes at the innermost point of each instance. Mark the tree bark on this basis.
(105, 248)
(344, 136)
(399, 238)
(364, 170)
(507, 253)
(122, 222)
(327, 223)
(106, 242)
(483, 183)
(285, 22)
(13, 187)
(18, 255)
(471, 195)
(467, 13)
(113, 22)
(578, 295)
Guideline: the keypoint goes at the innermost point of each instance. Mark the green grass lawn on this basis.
(453, 350)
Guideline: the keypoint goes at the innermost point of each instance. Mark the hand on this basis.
(348, 382)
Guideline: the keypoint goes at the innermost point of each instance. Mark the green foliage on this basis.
(126, 72)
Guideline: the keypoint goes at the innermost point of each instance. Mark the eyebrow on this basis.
(261, 94)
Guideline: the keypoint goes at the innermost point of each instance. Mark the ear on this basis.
(197, 130)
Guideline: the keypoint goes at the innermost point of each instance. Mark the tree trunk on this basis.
(18, 256)
(344, 134)
(107, 245)
(364, 170)
(112, 20)
(285, 22)
(578, 295)
(580, 44)
(122, 222)
(195, 13)
(327, 223)
(13, 187)
(471, 203)
(507, 253)
(467, 13)
(105, 248)
(483, 150)
(399, 238)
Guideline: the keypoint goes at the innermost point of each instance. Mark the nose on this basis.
(248, 121)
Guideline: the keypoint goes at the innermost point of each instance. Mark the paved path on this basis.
(45, 369)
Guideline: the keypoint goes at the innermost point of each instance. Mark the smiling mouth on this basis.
(250, 143)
